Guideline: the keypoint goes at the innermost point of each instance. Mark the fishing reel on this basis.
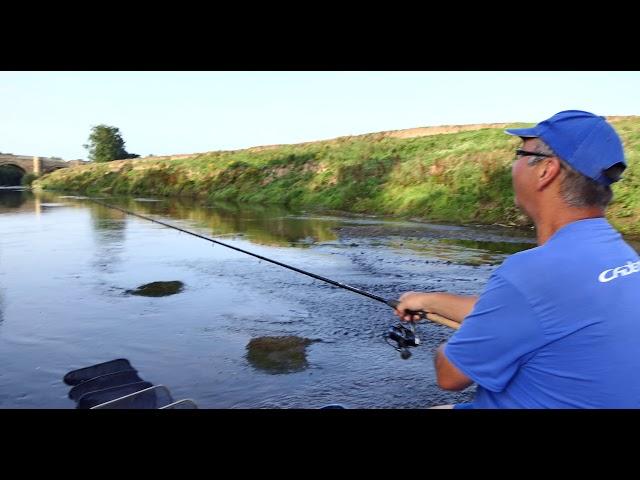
(403, 338)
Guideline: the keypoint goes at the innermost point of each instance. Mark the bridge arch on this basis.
(11, 174)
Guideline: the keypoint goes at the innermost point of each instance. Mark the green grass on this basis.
(461, 177)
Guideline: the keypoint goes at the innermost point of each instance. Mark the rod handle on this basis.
(434, 317)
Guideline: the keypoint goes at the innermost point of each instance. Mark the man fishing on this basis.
(557, 326)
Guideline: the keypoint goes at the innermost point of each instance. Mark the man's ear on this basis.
(548, 171)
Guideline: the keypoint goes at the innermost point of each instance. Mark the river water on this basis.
(68, 267)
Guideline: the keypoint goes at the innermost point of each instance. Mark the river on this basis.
(68, 268)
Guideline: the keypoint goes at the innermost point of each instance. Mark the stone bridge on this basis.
(37, 165)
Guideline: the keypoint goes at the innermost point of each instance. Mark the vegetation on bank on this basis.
(452, 177)
(28, 179)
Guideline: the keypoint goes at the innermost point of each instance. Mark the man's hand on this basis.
(453, 307)
(412, 301)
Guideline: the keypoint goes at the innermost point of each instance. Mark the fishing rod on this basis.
(403, 336)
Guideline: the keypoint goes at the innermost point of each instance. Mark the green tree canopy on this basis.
(106, 144)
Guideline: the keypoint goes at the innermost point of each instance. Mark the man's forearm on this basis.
(454, 307)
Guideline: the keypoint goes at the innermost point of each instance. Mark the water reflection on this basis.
(464, 252)
(110, 224)
(109, 232)
(277, 355)
(262, 224)
(11, 199)
(505, 248)
(265, 225)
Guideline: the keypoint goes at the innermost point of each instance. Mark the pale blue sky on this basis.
(162, 113)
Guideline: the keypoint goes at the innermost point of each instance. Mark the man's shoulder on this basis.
(534, 264)
(531, 259)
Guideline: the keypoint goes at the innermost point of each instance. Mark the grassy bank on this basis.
(455, 177)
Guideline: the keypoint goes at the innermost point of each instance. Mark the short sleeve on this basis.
(497, 337)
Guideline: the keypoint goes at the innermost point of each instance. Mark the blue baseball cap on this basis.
(584, 140)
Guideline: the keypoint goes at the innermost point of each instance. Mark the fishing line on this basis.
(403, 336)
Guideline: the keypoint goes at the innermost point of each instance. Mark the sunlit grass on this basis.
(462, 177)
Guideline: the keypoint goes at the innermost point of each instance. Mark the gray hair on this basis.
(576, 189)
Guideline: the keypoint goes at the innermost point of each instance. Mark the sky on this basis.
(51, 114)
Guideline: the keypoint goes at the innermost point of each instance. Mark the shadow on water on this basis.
(278, 355)
(158, 289)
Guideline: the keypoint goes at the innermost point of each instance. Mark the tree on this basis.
(106, 144)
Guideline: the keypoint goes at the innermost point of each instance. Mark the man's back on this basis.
(557, 326)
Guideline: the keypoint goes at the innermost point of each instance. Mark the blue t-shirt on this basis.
(557, 326)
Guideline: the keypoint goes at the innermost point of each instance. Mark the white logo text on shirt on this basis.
(613, 273)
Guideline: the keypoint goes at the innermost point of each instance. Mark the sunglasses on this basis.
(526, 153)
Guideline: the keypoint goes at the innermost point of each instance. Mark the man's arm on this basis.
(494, 340)
(454, 307)
(448, 376)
